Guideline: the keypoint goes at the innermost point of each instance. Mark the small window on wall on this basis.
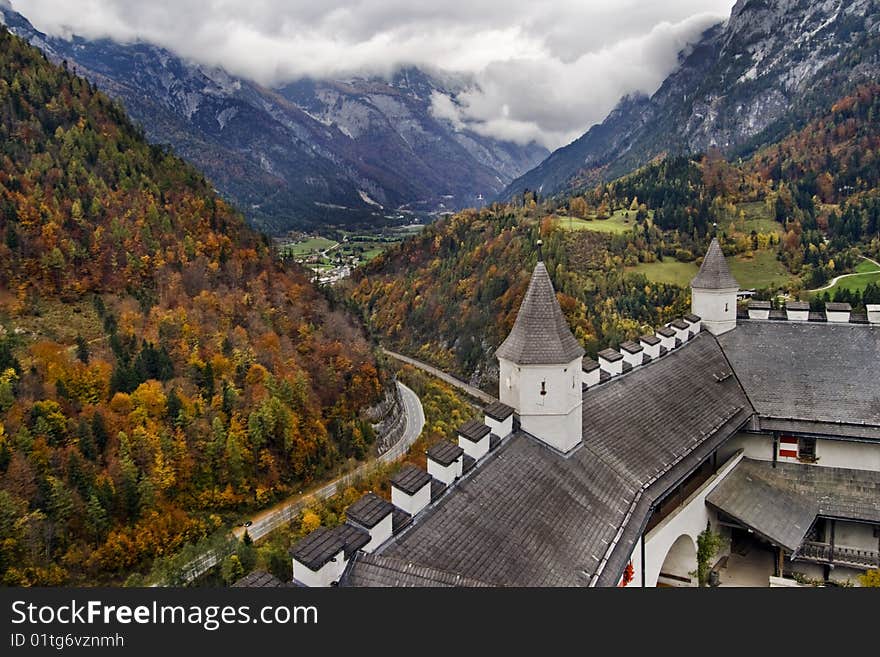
(807, 449)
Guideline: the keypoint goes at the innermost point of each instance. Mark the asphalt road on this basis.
(430, 369)
(283, 512)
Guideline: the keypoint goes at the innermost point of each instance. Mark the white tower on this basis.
(540, 367)
(713, 292)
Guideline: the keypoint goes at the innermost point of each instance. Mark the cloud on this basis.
(543, 71)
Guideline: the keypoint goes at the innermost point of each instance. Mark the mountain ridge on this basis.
(302, 155)
(766, 70)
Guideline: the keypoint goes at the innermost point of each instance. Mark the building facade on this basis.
(763, 428)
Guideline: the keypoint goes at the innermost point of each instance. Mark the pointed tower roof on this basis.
(540, 334)
(714, 273)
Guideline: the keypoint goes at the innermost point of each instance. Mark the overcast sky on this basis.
(545, 69)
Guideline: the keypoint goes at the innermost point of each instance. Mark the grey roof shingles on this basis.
(498, 411)
(776, 514)
(819, 372)
(411, 479)
(473, 430)
(529, 517)
(714, 273)
(540, 334)
(369, 510)
(782, 502)
(444, 452)
(317, 548)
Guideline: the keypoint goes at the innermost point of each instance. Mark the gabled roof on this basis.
(540, 334)
(714, 273)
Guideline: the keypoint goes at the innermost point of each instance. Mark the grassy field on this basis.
(868, 273)
(764, 270)
(755, 217)
(618, 222)
(669, 271)
(308, 246)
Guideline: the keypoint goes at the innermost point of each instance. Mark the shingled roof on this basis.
(781, 501)
(816, 372)
(528, 517)
(540, 334)
(714, 273)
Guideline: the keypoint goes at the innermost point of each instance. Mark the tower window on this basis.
(544, 387)
(725, 307)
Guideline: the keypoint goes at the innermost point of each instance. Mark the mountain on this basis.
(160, 370)
(790, 217)
(767, 70)
(344, 152)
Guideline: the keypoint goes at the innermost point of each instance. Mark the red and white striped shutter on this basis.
(788, 447)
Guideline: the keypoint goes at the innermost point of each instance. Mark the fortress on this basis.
(763, 427)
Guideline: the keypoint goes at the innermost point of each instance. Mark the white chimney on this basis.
(873, 313)
(632, 353)
(667, 338)
(611, 361)
(373, 514)
(651, 344)
(473, 438)
(445, 462)
(695, 321)
(837, 312)
(797, 311)
(499, 419)
(411, 489)
(682, 330)
(589, 372)
(759, 309)
(320, 558)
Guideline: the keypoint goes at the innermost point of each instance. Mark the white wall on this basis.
(554, 417)
(412, 504)
(476, 450)
(754, 446)
(690, 518)
(328, 573)
(830, 453)
(591, 378)
(445, 473)
(717, 308)
(380, 533)
(847, 454)
(501, 429)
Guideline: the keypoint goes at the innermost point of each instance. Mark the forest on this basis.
(809, 204)
(160, 371)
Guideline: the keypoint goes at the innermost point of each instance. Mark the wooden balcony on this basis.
(839, 555)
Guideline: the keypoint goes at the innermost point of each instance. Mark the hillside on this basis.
(160, 372)
(790, 218)
(767, 70)
(339, 152)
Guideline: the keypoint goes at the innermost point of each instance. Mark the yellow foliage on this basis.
(150, 397)
(310, 521)
(121, 403)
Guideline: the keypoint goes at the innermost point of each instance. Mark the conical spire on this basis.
(714, 273)
(540, 334)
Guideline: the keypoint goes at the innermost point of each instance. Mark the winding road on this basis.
(837, 278)
(283, 512)
(430, 369)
